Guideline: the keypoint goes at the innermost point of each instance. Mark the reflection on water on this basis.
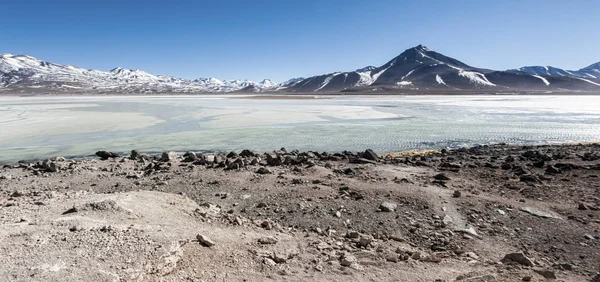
(39, 127)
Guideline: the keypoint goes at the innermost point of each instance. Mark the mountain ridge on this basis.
(417, 69)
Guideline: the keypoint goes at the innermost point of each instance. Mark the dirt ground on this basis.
(487, 213)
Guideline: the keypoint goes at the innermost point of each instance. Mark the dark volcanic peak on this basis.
(420, 68)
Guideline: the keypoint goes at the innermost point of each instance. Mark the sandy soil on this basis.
(497, 213)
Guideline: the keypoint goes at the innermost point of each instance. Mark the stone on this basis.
(189, 156)
(269, 262)
(247, 153)
(552, 170)
(232, 155)
(549, 274)
(274, 159)
(267, 241)
(456, 194)
(353, 234)
(370, 155)
(471, 255)
(263, 170)
(210, 159)
(539, 213)
(365, 241)
(347, 260)
(278, 258)
(388, 206)
(134, 155)
(441, 176)
(104, 155)
(529, 178)
(519, 258)
(205, 241)
(168, 156)
(447, 220)
(50, 166)
(589, 237)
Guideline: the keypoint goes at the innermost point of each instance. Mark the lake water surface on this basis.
(42, 127)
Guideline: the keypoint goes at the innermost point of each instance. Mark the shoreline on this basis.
(157, 154)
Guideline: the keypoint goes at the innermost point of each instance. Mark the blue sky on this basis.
(280, 39)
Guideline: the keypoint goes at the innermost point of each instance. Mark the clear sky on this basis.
(280, 39)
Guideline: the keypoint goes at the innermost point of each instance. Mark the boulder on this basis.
(519, 258)
(189, 156)
(247, 154)
(370, 155)
(168, 156)
(104, 155)
(263, 170)
(388, 206)
(205, 241)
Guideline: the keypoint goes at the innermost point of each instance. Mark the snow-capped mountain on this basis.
(22, 73)
(589, 72)
(367, 68)
(416, 69)
(421, 68)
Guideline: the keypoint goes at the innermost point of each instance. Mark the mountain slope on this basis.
(422, 68)
(26, 74)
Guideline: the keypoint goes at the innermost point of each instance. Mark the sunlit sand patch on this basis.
(411, 154)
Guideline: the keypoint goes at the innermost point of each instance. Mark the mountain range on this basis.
(418, 69)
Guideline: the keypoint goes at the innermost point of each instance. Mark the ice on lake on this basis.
(42, 127)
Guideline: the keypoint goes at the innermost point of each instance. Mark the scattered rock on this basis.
(205, 241)
(456, 194)
(168, 157)
(104, 155)
(278, 258)
(263, 170)
(519, 258)
(269, 262)
(267, 241)
(549, 274)
(365, 241)
(387, 207)
(247, 154)
(370, 155)
(539, 213)
(441, 177)
(189, 156)
(347, 260)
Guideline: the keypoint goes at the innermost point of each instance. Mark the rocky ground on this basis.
(488, 213)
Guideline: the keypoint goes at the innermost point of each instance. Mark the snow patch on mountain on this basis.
(439, 79)
(475, 77)
(327, 80)
(588, 81)
(544, 80)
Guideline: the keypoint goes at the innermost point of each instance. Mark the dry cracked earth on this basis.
(487, 213)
